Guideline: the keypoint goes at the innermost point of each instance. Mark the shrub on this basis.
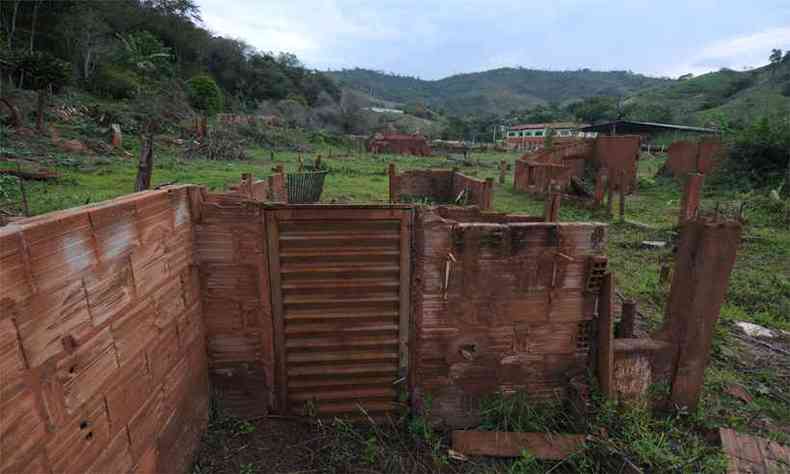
(204, 94)
(116, 83)
(758, 154)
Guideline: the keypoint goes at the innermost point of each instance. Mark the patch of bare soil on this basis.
(300, 446)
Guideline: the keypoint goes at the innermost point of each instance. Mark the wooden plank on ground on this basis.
(512, 444)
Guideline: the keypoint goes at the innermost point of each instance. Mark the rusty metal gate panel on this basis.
(340, 300)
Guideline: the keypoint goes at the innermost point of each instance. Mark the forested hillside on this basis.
(737, 97)
(497, 91)
(122, 49)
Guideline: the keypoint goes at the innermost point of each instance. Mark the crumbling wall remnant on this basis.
(499, 306)
(102, 354)
(614, 158)
(440, 186)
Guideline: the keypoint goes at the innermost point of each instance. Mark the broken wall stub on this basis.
(705, 258)
(440, 186)
(102, 354)
(499, 306)
(613, 157)
(271, 189)
(231, 253)
(678, 353)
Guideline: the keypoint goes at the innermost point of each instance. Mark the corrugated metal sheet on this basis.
(338, 306)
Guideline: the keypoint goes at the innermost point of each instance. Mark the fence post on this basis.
(393, 176)
(622, 196)
(551, 209)
(689, 202)
(502, 171)
(610, 196)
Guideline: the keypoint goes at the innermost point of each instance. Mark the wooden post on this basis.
(600, 187)
(705, 257)
(146, 164)
(605, 349)
(551, 208)
(610, 197)
(622, 196)
(689, 202)
(317, 164)
(502, 171)
(627, 320)
(393, 176)
(22, 193)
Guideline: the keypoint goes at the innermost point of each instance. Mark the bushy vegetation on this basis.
(758, 155)
(108, 45)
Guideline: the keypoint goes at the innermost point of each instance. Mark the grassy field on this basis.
(759, 289)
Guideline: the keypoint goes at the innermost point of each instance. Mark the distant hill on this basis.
(497, 91)
(739, 95)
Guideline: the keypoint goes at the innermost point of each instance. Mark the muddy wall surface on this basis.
(499, 307)
(102, 354)
(439, 186)
(230, 250)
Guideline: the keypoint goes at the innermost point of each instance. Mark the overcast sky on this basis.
(434, 39)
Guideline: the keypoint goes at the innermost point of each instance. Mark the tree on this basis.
(45, 73)
(205, 96)
(775, 58)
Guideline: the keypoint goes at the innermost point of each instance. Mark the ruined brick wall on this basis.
(480, 192)
(231, 254)
(619, 154)
(498, 306)
(694, 157)
(440, 186)
(102, 355)
(436, 185)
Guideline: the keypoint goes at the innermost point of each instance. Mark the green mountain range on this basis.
(740, 95)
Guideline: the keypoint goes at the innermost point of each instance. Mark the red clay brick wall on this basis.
(231, 254)
(435, 184)
(102, 356)
(515, 315)
(442, 186)
(480, 191)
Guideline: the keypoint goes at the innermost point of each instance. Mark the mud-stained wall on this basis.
(617, 155)
(499, 307)
(694, 157)
(440, 186)
(102, 354)
(231, 254)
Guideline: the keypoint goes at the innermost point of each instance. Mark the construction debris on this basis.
(752, 455)
(504, 444)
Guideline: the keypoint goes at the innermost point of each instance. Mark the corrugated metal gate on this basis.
(340, 301)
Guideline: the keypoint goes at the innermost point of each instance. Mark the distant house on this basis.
(532, 136)
(399, 144)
